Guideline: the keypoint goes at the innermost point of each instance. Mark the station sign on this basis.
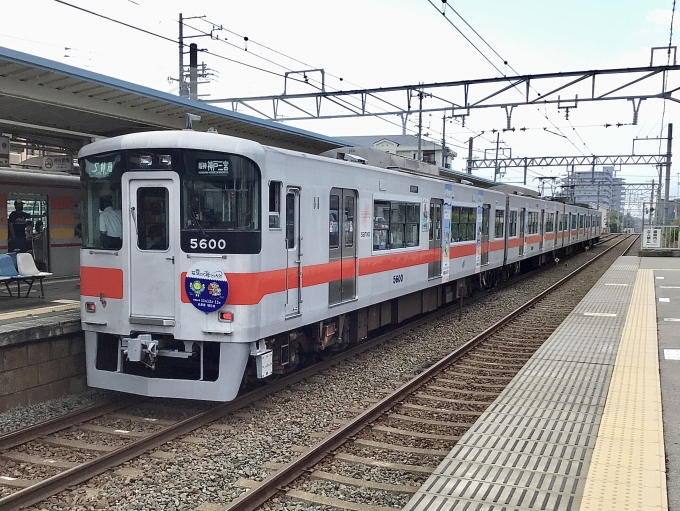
(4, 152)
(57, 163)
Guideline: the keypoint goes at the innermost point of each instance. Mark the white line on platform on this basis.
(669, 287)
(671, 354)
(664, 300)
(612, 284)
(671, 319)
(42, 310)
(600, 314)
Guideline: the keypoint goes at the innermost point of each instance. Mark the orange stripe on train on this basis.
(95, 281)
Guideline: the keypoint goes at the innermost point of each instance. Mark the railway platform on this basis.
(590, 422)
(41, 344)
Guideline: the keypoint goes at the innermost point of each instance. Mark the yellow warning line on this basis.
(41, 310)
(627, 470)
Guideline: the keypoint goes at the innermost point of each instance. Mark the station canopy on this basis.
(54, 105)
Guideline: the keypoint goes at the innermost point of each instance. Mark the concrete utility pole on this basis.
(444, 140)
(469, 162)
(420, 124)
(495, 172)
(651, 204)
(182, 86)
(668, 173)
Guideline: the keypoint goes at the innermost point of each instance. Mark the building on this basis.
(406, 146)
(599, 189)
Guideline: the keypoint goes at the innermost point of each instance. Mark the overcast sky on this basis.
(374, 43)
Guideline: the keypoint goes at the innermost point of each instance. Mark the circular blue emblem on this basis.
(206, 287)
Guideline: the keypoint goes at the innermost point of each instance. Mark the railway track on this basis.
(112, 421)
(423, 419)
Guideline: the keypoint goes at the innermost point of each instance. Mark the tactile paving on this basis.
(577, 424)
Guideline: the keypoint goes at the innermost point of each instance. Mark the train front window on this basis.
(220, 203)
(101, 207)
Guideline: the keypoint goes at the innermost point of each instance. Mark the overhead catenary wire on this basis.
(488, 60)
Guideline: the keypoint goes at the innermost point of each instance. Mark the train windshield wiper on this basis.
(194, 216)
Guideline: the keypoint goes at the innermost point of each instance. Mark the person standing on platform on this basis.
(110, 224)
(17, 221)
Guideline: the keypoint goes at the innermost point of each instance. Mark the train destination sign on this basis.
(210, 167)
(206, 287)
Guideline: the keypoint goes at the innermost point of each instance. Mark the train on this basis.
(52, 234)
(210, 261)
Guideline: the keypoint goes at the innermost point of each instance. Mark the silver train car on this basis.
(209, 260)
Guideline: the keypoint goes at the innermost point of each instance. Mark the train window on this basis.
(395, 225)
(580, 221)
(349, 221)
(152, 218)
(512, 224)
(463, 224)
(334, 222)
(275, 204)
(290, 220)
(550, 222)
(102, 201)
(499, 223)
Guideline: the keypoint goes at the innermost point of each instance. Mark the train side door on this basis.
(486, 212)
(434, 267)
(293, 252)
(522, 230)
(342, 247)
(542, 229)
(153, 247)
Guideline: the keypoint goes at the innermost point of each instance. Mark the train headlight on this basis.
(90, 306)
(226, 316)
(146, 160)
(165, 160)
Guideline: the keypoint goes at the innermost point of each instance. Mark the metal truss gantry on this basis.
(459, 98)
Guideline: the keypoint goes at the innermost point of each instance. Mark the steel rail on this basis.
(21, 436)
(258, 495)
(48, 487)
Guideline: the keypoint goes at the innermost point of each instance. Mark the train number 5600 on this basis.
(204, 243)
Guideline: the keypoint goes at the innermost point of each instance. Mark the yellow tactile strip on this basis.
(627, 469)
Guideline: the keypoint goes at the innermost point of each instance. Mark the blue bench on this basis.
(9, 273)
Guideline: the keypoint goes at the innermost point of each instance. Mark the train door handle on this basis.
(171, 259)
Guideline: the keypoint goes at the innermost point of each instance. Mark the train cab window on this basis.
(152, 218)
(512, 224)
(334, 222)
(220, 202)
(499, 224)
(101, 217)
(275, 204)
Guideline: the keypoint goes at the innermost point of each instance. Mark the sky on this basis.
(377, 43)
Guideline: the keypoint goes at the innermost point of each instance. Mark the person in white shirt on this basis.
(110, 224)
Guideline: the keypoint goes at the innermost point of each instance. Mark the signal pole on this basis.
(668, 173)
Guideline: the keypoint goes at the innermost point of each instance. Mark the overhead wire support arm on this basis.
(469, 90)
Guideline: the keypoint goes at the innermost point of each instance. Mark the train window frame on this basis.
(463, 224)
(227, 239)
(101, 175)
(550, 222)
(400, 230)
(334, 221)
(275, 188)
(499, 221)
(512, 223)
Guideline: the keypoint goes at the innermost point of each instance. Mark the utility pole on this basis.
(668, 173)
(183, 92)
(469, 162)
(444, 140)
(495, 172)
(420, 124)
(651, 204)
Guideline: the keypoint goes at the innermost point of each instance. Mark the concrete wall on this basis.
(39, 370)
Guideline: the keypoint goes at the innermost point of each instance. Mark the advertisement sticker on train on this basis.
(206, 287)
